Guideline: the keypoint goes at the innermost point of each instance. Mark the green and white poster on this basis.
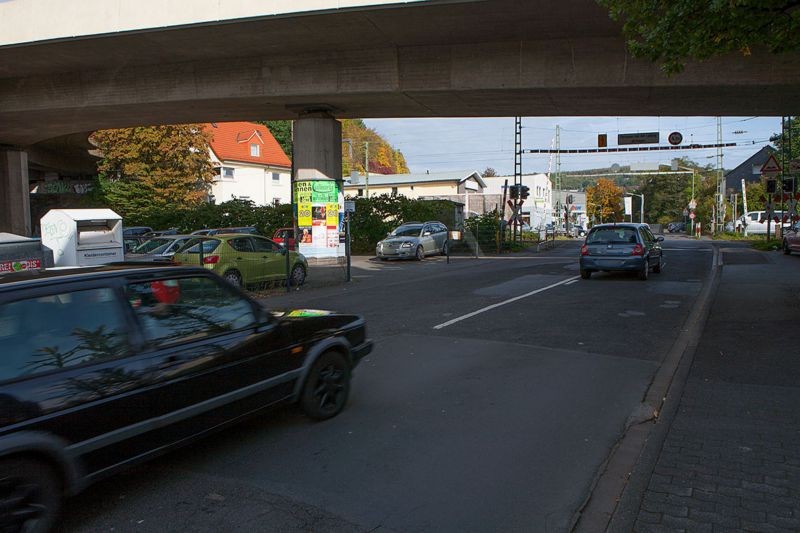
(319, 204)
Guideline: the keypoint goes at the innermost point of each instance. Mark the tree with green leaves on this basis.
(282, 131)
(674, 31)
(153, 168)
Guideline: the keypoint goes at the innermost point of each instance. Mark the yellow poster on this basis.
(332, 215)
(304, 215)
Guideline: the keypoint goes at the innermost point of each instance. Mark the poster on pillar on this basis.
(319, 217)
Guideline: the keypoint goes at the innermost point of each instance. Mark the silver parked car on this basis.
(158, 248)
(414, 239)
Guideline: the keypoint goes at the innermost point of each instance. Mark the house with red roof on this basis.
(250, 164)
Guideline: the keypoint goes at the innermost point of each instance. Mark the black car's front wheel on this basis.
(30, 495)
(327, 386)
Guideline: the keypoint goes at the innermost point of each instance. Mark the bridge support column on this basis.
(15, 207)
(318, 192)
(318, 145)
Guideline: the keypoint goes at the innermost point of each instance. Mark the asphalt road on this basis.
(496, 390)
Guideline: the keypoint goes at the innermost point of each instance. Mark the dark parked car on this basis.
(250, 230)
(621, 247)
(136, 231)
(676, 227)
(103, 367)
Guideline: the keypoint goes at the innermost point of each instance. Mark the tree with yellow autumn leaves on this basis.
(153, 168)
(604, 201)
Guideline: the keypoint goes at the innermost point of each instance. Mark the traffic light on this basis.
(788, 185)
(513, 191)
(771, 186)
(524, 192)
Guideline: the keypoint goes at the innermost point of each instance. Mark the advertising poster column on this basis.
(319, 220)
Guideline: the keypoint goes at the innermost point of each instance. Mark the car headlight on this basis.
(407, 245)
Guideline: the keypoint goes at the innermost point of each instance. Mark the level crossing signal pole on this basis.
(517, 174)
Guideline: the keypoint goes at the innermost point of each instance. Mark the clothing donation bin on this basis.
(83, 237)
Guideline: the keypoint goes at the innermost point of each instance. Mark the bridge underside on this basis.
(435, 59)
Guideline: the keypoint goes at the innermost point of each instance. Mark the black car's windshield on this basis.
(151, 246)
(410, 230)
(612, 236)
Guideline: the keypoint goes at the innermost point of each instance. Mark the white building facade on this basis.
(537, 209)
(249, 164)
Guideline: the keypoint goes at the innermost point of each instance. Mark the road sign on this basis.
(692, 215)
(638, 138)
(771, 167)
(349, 206)
(685, 212)
(692, 203)
(794, 165)
(675, 138)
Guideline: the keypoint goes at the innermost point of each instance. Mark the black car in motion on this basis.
(103, 367)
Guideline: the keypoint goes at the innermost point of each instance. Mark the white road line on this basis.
(687, 249)
(500, 304)
(571, 282)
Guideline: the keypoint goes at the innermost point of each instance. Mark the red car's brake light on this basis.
(638, 249)
(585, 250)
(211, 260)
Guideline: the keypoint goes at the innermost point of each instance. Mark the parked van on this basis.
(752, 220)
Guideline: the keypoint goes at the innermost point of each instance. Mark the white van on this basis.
(753, 221)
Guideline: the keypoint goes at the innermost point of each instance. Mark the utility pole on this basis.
(366, 168)
(720, 219)
(517, 172)
(366, 162)
(557, 184)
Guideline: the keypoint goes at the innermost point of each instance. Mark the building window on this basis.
(276, 176)
(227, 173)
(255, 150)
(361, 192)
(394, 191)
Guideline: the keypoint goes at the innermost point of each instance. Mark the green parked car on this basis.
(244, 260)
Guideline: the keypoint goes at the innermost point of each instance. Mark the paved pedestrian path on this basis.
(731, 457)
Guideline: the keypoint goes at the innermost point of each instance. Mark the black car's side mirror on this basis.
(659, 238)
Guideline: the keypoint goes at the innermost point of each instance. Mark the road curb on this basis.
(615, 495)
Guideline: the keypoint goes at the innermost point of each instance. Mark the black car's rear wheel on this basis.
(327, 387)
(586, 274)
(30, 496)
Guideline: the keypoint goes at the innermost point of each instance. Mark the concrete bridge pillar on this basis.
(318, 145)
(15, 207)
(317, 187)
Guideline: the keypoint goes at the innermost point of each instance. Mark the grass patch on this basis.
(767, 245)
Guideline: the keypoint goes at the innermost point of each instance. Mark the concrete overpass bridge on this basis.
(67, 69)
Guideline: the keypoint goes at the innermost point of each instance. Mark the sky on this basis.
(439, 144)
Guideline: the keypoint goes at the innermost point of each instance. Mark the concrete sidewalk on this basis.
(730, 460)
